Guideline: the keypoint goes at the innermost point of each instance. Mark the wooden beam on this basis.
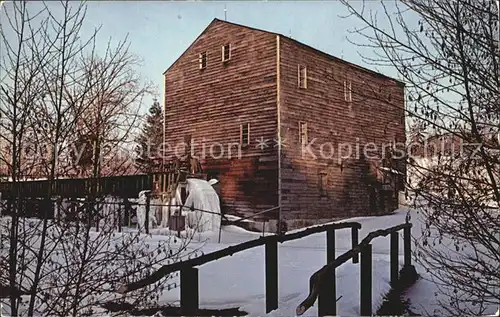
(271, 274)
(189, 290)
(365, 296)
(354, 243)
(318, 277)
(317, 229)
(170, 268)
(327, 298)
(394, 258)
(278, 128)
(407, 245)
(147, 209)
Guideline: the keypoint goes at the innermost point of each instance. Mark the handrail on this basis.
(318, 229)
(170, 268)
(322, 275)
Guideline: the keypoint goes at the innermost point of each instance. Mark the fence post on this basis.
(407, 245)
(354, 239)
(271, 258)
(327, 297)
(120, 206)
(146, 216)
(365, 298)
(97, 213)
(330, 245)
(394, 257)
(189, 290)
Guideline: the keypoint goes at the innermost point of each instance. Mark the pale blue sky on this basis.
(159, 31)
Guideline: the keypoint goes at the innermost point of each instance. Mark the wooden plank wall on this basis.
(370, 117)
(209, 105)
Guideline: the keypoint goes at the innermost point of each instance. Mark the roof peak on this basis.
(299, 43)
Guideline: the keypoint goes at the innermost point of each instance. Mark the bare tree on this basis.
(112, 112)
(54, 85)
(19, 87)
(447, 53)
(87, 266)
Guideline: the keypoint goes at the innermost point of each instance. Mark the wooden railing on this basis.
(322, 282)
(189, 280)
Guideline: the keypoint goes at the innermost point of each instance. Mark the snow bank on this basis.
(141, 212)
(201, 195)
(239, 280)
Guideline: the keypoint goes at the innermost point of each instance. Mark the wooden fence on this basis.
(322, 282)
(189, 279)
(121, 186)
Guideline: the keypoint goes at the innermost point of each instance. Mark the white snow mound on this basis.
(201, 195)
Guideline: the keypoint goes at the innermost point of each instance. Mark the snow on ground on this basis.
(239, 280)
(423, 296)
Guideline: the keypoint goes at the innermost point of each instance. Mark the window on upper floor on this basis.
(385, 93)
(302, 76)
(226, 52)
(389, 93)
(347, 90)
(245, 134)
(303, 133)
(203, 60)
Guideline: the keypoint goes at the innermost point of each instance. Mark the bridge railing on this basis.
(322, 282)
(189, 277)
(120, 186)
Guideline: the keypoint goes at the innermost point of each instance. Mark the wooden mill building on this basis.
(267, 116)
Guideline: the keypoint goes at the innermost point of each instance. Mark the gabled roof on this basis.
(187, 49)
(293, 40)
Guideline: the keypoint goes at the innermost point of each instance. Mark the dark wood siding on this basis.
(211, 104)
(350, 183)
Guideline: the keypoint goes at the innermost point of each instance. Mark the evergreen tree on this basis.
(150, 139)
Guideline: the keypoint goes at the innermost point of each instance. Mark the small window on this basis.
(226, 52)
(203, 60)
(303, 133)
(191, 145)
(302, 76)
(347, 90)
(245, 134)
(385, 93)
(323, 183)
